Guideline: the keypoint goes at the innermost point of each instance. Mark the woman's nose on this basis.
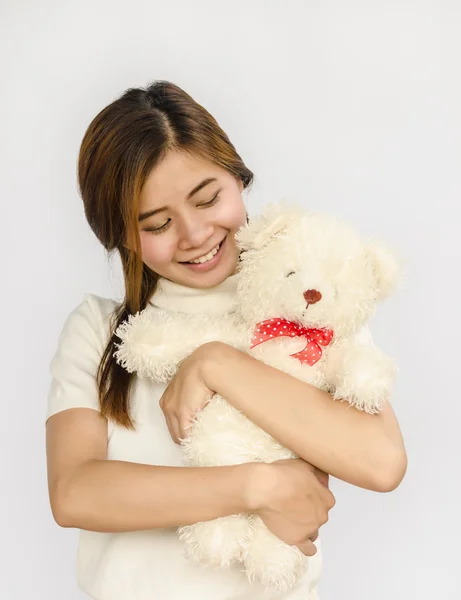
(193, 233)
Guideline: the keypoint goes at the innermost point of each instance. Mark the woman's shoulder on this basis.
(100, 309)
(89, 322)
(80, 346)
(98, 305)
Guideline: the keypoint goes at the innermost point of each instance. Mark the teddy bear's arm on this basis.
(361, 373)
(155, 347)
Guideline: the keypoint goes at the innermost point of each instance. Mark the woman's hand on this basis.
(186, 394)
(292, 498)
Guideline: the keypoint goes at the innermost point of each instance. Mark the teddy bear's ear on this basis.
(387, 268)
(261, 229)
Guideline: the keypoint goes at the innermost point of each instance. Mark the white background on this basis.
(352, 107)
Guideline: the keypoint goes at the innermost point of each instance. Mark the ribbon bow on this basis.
(272, 328)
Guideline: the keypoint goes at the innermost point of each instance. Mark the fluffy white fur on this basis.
(287, 250)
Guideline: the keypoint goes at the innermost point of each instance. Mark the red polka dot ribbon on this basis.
(272, 328)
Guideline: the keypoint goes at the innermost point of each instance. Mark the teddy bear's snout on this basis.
(312, 296)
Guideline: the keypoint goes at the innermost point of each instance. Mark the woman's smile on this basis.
(208, 261)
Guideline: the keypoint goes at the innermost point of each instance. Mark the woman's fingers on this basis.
(323, 477)
(308, 548)
(314, 536)
(184, 427)
(173, 428)
(185, 396)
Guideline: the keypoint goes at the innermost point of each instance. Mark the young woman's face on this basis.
(188, 208)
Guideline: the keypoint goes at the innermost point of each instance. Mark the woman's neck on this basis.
(176, 297)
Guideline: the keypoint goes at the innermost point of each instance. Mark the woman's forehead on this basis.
(176, 176)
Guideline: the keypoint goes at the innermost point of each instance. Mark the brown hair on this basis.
(122, 144)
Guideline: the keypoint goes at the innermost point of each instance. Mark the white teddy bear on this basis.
(307, 285)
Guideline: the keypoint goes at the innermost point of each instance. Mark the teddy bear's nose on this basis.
(312, 296)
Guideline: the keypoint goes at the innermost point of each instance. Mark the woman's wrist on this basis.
(215, 362)
(259, 484)
(256, 480)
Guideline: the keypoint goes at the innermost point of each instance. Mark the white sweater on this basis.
(145, 565)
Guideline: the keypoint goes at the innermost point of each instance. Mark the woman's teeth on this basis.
(207, 257)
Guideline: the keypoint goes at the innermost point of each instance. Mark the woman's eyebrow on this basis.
(145, 215)
(201, 185)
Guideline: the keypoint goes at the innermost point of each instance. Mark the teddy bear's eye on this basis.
(291, 273)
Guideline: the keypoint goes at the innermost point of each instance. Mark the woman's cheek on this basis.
(233, 213)
(156, 252)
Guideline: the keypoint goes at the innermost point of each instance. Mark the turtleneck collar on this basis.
(219, 299)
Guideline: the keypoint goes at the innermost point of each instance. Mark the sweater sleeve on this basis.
(76, 360)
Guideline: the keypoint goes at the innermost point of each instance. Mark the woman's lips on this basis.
(209, 264)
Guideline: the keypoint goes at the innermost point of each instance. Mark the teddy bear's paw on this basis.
(271, 562)
(154, 348)
(367, 381)
(366, 402)
(217, 543)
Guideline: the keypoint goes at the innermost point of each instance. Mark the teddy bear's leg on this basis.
(270, 561)
(217, 543)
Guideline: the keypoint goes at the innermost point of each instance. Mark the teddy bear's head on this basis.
(311, 268)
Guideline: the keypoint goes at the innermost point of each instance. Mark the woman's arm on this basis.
(89, 492)
(363, 449)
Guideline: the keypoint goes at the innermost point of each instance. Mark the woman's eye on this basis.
(212, 201)
(290, 273)
(163, 227)
(155, 230)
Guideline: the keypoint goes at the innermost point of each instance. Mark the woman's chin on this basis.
(210, 278)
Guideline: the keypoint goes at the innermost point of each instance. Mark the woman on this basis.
(162, 184)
